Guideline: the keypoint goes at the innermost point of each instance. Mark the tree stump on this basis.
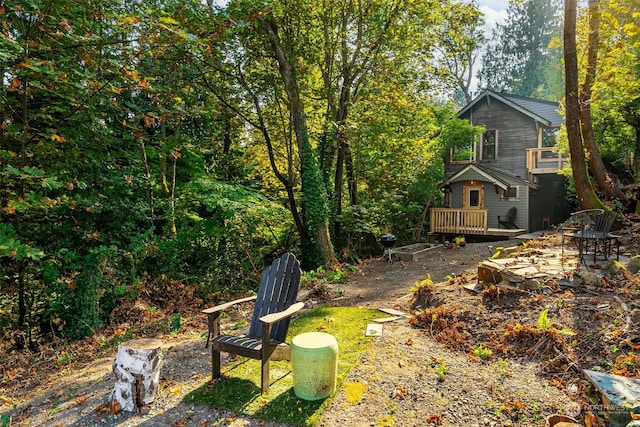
(137, 370)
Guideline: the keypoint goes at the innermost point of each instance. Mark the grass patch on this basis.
(238, 389)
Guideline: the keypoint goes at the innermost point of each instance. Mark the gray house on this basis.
(506, 182)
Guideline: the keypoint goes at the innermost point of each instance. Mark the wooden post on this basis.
(137, 370)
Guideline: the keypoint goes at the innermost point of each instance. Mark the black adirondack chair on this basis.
(591, 229)
(274, 306)
(510, 220)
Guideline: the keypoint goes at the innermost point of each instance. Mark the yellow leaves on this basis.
(168, 20)
(632, 30)
(129, 20)
(58, 138)
(116, 90)
(176, 389)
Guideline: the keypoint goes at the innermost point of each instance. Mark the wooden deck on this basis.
(544, 160)
(467, 222)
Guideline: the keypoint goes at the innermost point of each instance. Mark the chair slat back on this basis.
(278, 290)
(605, 222)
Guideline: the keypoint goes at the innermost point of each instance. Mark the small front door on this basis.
(473, 197)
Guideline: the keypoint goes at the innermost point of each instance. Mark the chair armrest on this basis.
(226, 305)
(275, 317)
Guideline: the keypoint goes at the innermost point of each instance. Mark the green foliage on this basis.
(545, 325)
(483, 352)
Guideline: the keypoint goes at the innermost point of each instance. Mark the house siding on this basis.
(541, 201)
(494, 204)
(516, 133)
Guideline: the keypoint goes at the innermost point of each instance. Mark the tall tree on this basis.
(585, 194)
(606, 182)
(519, 57)
(458, 47)
(370, 47)
(614, 100)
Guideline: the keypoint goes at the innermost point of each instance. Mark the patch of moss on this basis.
(354, 392)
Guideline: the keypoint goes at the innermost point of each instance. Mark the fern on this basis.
(544, 324)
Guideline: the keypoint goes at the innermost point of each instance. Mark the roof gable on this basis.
(496, 177)
(545, 112)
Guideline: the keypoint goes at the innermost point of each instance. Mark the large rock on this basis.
(633, 265)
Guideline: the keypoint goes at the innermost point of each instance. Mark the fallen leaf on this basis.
(181, 422)
(409, 341)
(434, 419)
(591, 420)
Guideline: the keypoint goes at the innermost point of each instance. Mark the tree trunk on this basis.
(604, 180)
(315, 210)
(137, 370)
(584, 192)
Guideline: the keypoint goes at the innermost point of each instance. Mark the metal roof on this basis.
(545, 112)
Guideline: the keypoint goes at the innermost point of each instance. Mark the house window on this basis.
(463, 154)
(549, 139)
(474, 198)
(490, 144)
(511, 193)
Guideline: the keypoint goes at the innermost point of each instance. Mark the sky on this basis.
(495, 11)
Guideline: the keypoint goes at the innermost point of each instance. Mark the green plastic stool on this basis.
(314, 365)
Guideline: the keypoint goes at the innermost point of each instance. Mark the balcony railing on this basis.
(544, 160)
(458, 221)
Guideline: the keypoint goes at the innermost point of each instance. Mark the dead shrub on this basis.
(444, 324)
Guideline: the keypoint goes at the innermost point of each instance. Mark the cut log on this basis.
(137, 370)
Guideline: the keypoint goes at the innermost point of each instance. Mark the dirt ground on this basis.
(463, 358)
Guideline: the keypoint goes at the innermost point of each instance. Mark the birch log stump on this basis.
(137, 370)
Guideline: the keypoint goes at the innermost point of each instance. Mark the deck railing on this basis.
(544, 160)
(458, 221)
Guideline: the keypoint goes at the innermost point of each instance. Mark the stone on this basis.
(633, 265)
(612, 268)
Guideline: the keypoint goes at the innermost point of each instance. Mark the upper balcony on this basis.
(544, 160)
